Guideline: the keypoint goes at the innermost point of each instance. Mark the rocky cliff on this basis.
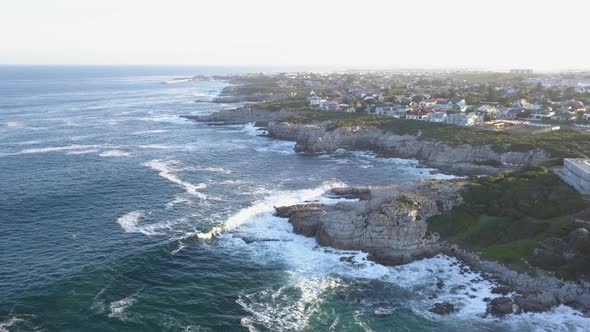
(389, 222)
(319, 137)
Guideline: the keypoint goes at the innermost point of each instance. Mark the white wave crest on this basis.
(129, 221)
(267, 205)
(166, 170)
(114, 153)
(118, 307)
(155, 131)
(77, 152)
(52, 149)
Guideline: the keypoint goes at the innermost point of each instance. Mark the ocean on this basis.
(118, 215)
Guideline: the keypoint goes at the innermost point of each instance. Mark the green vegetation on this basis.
(505, 216)
(294, 104)
(560, 144)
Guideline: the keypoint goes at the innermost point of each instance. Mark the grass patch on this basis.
(507, 215)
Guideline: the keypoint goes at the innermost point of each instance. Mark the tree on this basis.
(472, 100)
(418, 98)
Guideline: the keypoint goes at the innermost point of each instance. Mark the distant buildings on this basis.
(521, 71)
(576, 172)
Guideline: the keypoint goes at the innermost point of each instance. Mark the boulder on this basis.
(500, 306)
(444, 308)
(503, 290)
(536, 302)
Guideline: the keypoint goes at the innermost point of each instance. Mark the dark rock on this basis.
(500, 306)
(536, 302)
(440, 284)
(504, 290)
(444, 308)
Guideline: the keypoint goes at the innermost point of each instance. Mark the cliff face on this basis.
(389, 221)
(315, 138)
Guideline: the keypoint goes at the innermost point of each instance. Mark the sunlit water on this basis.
(108, 198)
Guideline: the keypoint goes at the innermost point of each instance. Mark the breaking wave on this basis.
(166, 170)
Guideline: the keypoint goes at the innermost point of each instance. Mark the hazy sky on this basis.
(540, 34)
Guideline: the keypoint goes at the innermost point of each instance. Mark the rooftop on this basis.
(584, 164)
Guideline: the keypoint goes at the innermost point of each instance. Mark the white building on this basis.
(328, 105)
(313, 99)
(576, 172)
(439, 117)
(464, 120)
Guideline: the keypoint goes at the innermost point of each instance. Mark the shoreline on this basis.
(528, 293)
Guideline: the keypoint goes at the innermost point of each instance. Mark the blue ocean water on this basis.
(109, 200)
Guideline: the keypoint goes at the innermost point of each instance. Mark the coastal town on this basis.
(519, 102)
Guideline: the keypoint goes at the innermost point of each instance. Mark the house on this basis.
(328, 105)
(443, 104)
(460, 105)
(576, 172)
(313, 99)
(563, 116)
(541, 114)
(586, 117)
(417, 115)
(464, 120)
(427, 103)
(487, 110)
(439, 117)
(509, 113)
(393, 111)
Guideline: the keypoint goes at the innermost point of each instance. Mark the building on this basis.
(328, 105)
(521, 71)
(313, 99)
(439, 117)
(463, 120)
(576, 172)
(541, 114)
(417, 115)
(394, 111)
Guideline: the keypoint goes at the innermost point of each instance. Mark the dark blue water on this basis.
(109, 200)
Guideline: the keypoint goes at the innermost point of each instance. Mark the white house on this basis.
(487, 110)
(313, 99)
(328, 105)
(464, 120)
(427, 103)
(439, 117)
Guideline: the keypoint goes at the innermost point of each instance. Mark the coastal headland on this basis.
(519, 225)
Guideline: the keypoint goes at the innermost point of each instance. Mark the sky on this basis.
(486, 34)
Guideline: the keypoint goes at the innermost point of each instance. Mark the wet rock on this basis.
(503, 290)
(440, 284)
(536, 302)
(500, 306)
(444, 308)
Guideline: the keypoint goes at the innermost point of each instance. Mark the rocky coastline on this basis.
(463, 159)
(390, 221)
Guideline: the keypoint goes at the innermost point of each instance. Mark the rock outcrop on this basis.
(389, 222)
(242, 115)
(318, 138)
